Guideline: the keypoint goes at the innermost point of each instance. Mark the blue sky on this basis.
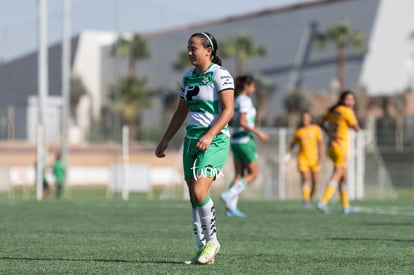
(18, 18)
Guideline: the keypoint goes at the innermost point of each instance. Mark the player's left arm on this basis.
(352, 121)
(243, 123)
(227, 102)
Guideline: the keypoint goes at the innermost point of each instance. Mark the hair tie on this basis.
(209, 40)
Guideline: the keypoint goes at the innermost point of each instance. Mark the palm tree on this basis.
(182, 63)
(242, 48)
(341, 35)
(398, 102)
(129, 97)
(135, 49)
(77, 90)
(264, 90)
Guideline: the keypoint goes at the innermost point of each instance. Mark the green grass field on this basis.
(91, 235)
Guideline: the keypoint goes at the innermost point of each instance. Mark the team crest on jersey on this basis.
(206, 80)
(201, 80)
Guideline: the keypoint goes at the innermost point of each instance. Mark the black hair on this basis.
(242, 80)
(300, 124)
(209, 41)
(341, 100)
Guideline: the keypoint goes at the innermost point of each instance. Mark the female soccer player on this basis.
(311, 150)
(59, 173)
(336, 123)
(242, 144)
(207, 99)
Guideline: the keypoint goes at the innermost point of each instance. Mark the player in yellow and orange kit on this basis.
(311, 150)
(337, 122)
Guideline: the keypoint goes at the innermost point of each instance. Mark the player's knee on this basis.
(199, 194)
(253, 169)
(252, 175)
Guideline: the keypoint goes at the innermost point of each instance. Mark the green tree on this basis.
(242, 48)
(182, 63)
(136, 48)
(264, 90)
(77, 90)
(341, 35)
(129, 97)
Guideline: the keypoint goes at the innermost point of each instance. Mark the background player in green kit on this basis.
(242, 144)
(207, 101)
(59, 173)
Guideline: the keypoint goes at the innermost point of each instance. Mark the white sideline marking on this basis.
(393, 211)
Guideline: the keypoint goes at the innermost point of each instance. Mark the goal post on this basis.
(126, 177)
(5, 182)
(125, 160)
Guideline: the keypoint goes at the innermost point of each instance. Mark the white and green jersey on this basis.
(201, 93)
(243, 104)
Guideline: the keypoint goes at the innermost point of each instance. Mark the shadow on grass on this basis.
(91, 260)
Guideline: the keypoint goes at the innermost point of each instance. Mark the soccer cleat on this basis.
(235, 213)
(307, 204)
(322, 207)
(194, 260)
(229, 213)
(348, 210)
(226, 199)
(210, 251)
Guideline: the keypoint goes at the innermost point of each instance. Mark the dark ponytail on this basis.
(241, 81)
(341, 100)
(209, 41)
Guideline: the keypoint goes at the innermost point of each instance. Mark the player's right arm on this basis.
(177, 120)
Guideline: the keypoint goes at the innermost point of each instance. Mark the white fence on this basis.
(368, 176)
(140, 177)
